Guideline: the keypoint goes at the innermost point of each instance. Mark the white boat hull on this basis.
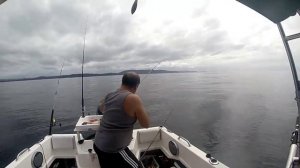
(64, 146)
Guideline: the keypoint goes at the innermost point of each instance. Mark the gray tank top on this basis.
(116, 126)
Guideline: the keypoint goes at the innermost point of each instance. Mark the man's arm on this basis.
(134, 107)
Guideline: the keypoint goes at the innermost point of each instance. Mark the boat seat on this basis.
(59, 141)
(147, 136)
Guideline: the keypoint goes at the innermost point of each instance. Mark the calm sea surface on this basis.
(243, 119)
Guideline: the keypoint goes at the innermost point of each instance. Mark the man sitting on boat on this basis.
(121, 109)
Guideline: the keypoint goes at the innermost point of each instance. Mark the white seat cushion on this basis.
(147, 136)
(60, 141)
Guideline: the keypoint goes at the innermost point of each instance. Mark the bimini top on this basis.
(274, 10)
(1, 1)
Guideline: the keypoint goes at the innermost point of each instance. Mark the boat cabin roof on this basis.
(274, 10)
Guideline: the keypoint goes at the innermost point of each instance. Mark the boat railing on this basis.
(187, 141)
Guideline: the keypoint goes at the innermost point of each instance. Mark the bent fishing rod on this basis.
(133, 9)
(134, 6)
(52, 120)
(160, 127)
(164, 121)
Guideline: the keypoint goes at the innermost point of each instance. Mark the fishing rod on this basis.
(164, 122)
(160, 127)
(82, 65)
(134, 6)
(52, 120)
(133, 9)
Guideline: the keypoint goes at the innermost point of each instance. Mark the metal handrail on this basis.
(188, 142)
(292, 65)
(22, 152)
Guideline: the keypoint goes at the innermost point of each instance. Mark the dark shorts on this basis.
(122, 159)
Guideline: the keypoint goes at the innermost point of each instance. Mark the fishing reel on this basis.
(55, 123)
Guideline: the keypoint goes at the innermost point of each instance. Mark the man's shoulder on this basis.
(133, 98)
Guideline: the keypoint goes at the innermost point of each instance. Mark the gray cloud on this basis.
(37, 36)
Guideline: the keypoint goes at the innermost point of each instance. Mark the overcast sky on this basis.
(37, 36)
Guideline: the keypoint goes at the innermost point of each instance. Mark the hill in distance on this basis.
(90, 75)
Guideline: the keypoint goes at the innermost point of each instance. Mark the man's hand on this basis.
(101, 107)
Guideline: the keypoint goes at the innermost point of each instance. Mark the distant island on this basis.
(90, 75)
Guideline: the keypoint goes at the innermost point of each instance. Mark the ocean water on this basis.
(244, 119)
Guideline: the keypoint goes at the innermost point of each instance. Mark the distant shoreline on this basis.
(91, 75)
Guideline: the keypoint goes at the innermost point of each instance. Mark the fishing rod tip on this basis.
(134, 6)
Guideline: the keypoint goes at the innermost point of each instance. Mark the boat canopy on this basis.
(1, 1)
(274, 10)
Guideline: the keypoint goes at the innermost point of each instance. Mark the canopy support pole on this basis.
(292, 64)
(293, 154)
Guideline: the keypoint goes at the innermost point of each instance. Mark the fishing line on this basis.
(150, 71)
(52, 120)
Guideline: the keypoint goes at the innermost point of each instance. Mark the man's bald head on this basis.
(131, 79)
